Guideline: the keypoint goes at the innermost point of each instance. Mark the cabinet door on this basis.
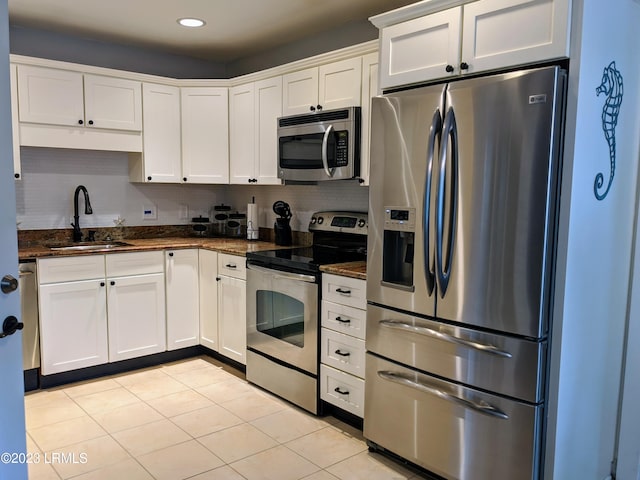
(493, 34)
(208, 286)
(48, 95)
(241, 134)
(136, 316)
(183, 312)
(232, 321)
(421, 49)
(113, 103)
(300, 91)
(268, 101)
(205, 135)
(73, 325)
(162, 149)
(339, 84)
(15, 125)
(369, 90)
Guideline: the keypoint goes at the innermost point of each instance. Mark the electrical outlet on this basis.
(149, 212)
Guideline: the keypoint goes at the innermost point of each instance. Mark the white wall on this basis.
(50, 176)
(595, 245)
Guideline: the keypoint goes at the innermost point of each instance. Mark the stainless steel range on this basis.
(283, 301)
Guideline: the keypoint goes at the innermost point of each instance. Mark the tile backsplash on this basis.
(44, 196)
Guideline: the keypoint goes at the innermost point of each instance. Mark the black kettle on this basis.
(282, 228)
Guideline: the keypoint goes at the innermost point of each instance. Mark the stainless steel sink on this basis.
(82, 246)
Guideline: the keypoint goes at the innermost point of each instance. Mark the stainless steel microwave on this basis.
(319, 146)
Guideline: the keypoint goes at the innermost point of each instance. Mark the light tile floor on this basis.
(196, 419)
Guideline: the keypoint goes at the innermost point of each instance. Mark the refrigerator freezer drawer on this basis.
(453, 431)
(497, 363)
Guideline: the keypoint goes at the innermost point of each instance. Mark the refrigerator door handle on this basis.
(429, 267)
(487, 348)
(450, 131)
(409, 381)
(325, 159)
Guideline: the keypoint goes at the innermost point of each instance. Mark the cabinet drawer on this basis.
(136, 263)
(342, 390)
(343, 352)
(232, 266)
(344, 319)
(344, 290)
(69, 269)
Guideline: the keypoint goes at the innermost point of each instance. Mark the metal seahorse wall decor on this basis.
(611, 86)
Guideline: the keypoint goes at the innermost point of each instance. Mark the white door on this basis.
(339, 84)
(232, 318)
(300, 92)
(114, 103)
(12, 430)
(208, 275)
(369, 90)
(268, 97)
(183, 312)
(241, 134)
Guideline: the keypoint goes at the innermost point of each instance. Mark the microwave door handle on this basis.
(325, 159)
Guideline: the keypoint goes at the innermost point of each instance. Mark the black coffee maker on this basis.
(281, 227)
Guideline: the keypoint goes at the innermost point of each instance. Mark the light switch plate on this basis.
(149, 212)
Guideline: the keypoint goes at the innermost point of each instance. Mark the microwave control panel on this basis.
(342, 148)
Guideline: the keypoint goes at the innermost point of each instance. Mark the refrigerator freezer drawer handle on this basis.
(491, 349)
(325, 159)
(482, 407)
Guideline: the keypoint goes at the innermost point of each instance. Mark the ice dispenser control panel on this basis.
(400, 219)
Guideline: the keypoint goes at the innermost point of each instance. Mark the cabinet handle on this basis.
(80, 122)
(90, 122)
(464, 66)
(341, 392)
(343, 292)
(341, 353)
(112, 283)
(343, 320)
(230, 265)
(102, 284)
(449, 68)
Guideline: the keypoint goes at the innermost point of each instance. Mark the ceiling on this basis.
(234, 28)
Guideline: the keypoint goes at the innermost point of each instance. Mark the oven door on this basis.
(282, 316)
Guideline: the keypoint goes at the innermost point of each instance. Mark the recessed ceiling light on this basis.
(191, 22)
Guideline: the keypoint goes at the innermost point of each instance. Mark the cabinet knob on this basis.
(312, 108)
(80, 122)
(464, 66)
(449, 68)
(149, 178)
(102, 284)
(8, 284)
(112, 283)
(90, 122)
(184, 179)
(319, 107)
(17, 175)
(171, 254)
(10, 326)
(217, 279)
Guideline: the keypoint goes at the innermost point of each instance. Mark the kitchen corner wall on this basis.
(44, 196)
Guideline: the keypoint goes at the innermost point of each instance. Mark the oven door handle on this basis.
(281, 274)
(325, 155)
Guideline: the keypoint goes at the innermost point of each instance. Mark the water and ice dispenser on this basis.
(398, 247)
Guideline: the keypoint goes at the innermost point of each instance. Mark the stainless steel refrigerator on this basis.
(463, 205)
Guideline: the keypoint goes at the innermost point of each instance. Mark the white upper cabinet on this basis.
(369, 90)
(420, 49)
(334, 85)
(161, 147)
(421, 44)
(253, 135)
(205, 134)
(61, 97)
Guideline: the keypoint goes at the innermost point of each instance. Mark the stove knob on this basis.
(313, 220)
(320, 220)
(361, 222)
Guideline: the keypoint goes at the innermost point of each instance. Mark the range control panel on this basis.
(340, 221)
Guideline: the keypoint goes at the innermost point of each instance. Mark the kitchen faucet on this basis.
(77, 233)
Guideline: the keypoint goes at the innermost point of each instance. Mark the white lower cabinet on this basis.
(73, 325)
(232, 308)
(208, 287)
(342, 343)
(183, 312)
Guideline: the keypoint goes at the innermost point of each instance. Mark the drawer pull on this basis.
(408, 381)
(428, 332)
(341, 353)
(343, 320)
(230, 265)
(341, 392)
(343, 292)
